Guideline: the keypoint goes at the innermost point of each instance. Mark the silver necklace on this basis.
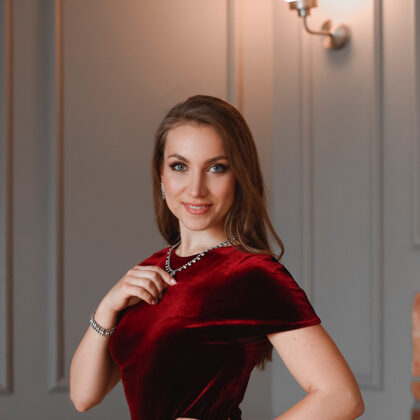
(195, 259)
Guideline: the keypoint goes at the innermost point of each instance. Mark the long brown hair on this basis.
(247, 220)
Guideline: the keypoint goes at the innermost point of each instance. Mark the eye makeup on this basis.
(174, 164)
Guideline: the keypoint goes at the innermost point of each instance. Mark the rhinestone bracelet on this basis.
(100, 330)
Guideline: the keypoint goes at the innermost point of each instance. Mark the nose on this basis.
(197, 185)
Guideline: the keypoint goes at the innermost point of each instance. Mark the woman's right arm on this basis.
(93, 373)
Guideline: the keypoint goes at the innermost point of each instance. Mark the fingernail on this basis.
(154, 301)
(173, 281)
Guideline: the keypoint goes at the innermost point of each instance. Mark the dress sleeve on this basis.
(268, 299)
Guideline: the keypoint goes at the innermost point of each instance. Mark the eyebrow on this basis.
(207, 161)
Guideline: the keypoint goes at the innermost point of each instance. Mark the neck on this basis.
(194, 241)
(184, 251)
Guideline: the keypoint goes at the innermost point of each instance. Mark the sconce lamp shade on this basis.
(303, 7)
(304, 3)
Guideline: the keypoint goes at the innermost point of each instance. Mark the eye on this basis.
(223, 167)
(173, 165)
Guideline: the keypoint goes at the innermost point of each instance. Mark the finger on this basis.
(149, 273)
(167, 278)
(150, 282)
(139, 292)
(150, 279)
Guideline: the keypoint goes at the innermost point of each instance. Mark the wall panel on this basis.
(6, 198)
(416, 138)
(330, 130)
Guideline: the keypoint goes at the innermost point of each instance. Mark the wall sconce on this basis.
(336, 37)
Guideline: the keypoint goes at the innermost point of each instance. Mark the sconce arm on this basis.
(337, 36)
(325, 32)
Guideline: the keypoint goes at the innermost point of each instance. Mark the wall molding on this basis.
(57, 380)
(6, 203)
(235, 93)
(373, 379)
(416, 138)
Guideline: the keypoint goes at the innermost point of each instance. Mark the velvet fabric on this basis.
(191, 355)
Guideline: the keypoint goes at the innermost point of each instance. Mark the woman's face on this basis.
(196, 171)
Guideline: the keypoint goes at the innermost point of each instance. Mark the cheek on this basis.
(172, 183)
(227, 189)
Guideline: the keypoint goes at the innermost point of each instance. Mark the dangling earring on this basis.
(163, 191)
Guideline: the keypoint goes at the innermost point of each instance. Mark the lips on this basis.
(197, 204)
(196, 211)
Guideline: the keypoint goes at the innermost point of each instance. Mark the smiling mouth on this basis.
(197, 205)
(196, 209)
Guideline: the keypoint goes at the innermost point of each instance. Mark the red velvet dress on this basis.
(191, 355)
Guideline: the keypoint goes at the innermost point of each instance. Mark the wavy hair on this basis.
(248, 218)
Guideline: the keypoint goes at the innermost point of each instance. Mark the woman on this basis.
(190, 355)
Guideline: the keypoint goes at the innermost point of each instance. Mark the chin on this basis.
(196, 226)
(202, 224)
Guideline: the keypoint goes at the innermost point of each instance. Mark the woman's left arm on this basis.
(318, 366)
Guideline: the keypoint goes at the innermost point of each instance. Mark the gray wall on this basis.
(83, 86)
